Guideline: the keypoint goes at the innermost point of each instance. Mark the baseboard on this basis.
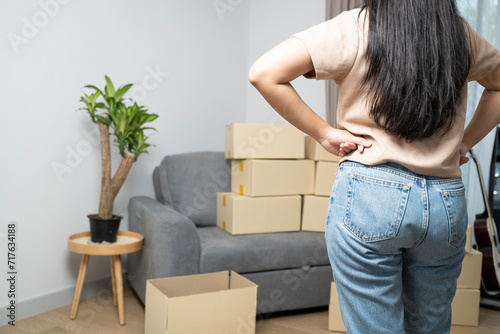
(33, 306)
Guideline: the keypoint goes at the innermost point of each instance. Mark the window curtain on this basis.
(334, 8)
(484, 17)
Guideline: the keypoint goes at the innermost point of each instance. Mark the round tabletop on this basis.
(126, 242)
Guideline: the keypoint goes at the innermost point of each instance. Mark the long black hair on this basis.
(418, 61)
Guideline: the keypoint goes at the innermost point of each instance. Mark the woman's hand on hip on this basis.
(342, 142)
(463, 150)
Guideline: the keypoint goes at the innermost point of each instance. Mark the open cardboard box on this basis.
(215, 303)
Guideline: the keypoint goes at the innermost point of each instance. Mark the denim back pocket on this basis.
(454, 201)
(375, 207)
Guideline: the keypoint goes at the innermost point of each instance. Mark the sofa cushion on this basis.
(190, 182)
(260, 252)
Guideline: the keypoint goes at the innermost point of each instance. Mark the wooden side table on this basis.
(127, 242)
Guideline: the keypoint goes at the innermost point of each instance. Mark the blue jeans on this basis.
(396, 244)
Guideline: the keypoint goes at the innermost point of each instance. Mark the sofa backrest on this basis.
(189, 183)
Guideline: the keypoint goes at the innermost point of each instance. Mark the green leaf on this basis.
(94, 97)
(121, 91)
(114, 118)
(94, 87)
(110, 89)
(140, 140)
(111, 104)
(151, 118)
(123, 122)
(102, 119)
(133, 113)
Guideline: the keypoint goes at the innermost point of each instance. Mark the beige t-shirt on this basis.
(337, 48)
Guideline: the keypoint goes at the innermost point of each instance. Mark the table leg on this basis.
(119, 288)
(79, 285)
(113, 280)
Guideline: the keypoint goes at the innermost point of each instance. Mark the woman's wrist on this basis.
(322, 133)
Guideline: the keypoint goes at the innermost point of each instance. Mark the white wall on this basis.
(190, 62)
(65, 45)
(272, 22)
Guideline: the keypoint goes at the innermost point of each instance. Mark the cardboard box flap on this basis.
(182, 286)
(157, 303)
(237, 281)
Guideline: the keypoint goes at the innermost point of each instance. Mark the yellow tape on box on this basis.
(272, 177)
(238, 214)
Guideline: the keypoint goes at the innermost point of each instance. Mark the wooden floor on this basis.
(98, 315)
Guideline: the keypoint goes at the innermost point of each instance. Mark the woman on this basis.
(397, 217)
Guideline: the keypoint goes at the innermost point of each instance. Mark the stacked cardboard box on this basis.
(315, 206)
(263, 141)
(465, 306)
(268, 177)
(239, 214)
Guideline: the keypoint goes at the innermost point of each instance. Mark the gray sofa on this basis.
(291, 269)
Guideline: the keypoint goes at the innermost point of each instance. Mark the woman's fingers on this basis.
(342, 142)
(359, 141)
(358, 145)
(348, 146)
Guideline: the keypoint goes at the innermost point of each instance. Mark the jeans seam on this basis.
(453, 229)
(425, 225)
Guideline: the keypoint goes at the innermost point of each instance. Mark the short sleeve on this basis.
(332, 45)
(485, 57)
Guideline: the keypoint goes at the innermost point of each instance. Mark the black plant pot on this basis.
(104, 229)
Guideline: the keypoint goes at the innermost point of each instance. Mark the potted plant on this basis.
(107, 108)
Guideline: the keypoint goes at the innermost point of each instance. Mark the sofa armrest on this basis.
(171, 242)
